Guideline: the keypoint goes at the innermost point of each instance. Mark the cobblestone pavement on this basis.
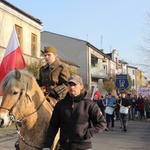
(136, 138)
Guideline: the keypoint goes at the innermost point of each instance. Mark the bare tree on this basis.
(144, 57)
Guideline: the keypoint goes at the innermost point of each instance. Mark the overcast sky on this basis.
(106, 24)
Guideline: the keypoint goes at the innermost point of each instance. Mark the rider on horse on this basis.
(54, 75)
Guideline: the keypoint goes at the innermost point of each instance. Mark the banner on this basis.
(143, 91)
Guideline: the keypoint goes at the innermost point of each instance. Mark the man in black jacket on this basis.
(78, 118)
(124, 110)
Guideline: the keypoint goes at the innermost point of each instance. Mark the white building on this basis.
(94, 64)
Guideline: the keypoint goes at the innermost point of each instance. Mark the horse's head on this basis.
(13, 88)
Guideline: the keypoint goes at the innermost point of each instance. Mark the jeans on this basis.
(133, 111)
(124, 119)
(110, 119)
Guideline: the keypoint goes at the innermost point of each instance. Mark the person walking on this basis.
(99, 102)
(124, 110)
(140, 106)
(104, 105)
(78, 118)
(54, 75)
(117, 108)
(147, 108)
(109, 104)
(133, 107)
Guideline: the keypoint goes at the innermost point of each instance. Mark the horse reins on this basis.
(32, 112)
(18, 132)
(23, 139)
(20, 120)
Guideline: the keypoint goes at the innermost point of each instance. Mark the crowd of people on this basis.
(123, 108)
(77, 113)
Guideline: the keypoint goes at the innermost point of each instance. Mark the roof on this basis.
(109, 54)
(123, 62)
(63, 36)
(69, 62)
(132, 67)
(21, 11)
(98, 50)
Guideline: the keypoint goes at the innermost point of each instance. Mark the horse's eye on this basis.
(14, 93)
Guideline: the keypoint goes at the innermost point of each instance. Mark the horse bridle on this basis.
(12, 117)
(10, 110)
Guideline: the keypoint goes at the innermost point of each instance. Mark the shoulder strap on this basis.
(121, 101)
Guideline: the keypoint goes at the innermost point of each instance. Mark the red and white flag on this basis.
(13, 57)
(97, 92)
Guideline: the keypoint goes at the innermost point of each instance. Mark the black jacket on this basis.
(125, 102)
(78, 119)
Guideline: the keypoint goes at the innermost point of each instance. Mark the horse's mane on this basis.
(10, 79)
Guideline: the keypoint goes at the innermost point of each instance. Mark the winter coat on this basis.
(55, 77)
(125, 102)
(78, 119)
(100, 104)
(140, 103)
(147, 106)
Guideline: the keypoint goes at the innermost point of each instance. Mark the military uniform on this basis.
(55, 77)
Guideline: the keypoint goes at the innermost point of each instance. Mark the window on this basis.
(19, 34)
(133, 72)
(33, 44)
(116, 60)
(133, 82)
(94, 62)
(105, 69)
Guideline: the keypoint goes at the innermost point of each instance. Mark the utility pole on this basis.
(101, 42)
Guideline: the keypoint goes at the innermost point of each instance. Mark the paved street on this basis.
(136, 138)
(8, 137)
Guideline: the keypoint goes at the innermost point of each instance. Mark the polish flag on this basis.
(97, 92)
(13, 57)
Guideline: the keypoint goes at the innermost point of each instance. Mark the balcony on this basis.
(97, 72)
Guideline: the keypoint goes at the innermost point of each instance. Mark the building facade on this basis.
(94, 64)
(27, 27)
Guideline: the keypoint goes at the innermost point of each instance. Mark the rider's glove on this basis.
(52, 93)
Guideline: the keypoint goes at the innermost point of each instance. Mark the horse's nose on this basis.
(1, 122)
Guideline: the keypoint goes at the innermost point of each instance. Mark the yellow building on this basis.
(141, 79)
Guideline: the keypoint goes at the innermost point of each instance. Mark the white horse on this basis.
(24, 102)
